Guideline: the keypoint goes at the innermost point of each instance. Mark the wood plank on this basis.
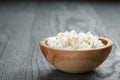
(15, 34)
(109, 15)
(24, 24)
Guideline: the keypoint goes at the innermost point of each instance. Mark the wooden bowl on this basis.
(76, 61)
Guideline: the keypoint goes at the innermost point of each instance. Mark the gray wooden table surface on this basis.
(24, 24)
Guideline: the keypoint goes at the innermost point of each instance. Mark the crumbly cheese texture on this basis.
(72, 40)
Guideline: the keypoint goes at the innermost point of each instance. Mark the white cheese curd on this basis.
(72, 40)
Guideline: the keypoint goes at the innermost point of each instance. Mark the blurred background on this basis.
(23, 23)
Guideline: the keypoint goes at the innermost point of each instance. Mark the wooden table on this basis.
(24, 24)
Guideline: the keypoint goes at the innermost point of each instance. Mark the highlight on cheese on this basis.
(72, 40)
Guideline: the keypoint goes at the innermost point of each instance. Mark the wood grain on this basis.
(24, 24)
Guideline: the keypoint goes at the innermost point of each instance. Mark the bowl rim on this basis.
(109, 44)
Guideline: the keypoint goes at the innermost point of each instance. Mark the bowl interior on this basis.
(105, 41)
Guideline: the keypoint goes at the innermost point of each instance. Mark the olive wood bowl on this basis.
(76, 61)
